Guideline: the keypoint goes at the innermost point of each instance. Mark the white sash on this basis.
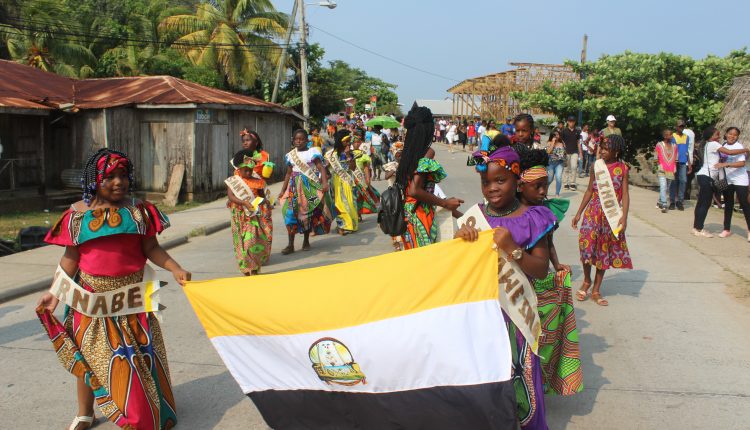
(338, 169)
(303, 167)
(517, 295)
(126, 300)
(607, 196)
(244, 193)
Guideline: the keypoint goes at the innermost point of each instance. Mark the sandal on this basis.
(81, 420)
(396, 246)
(599, 300)
(288, 250)
(583, 293)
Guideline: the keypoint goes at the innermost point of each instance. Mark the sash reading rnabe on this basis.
(243, 192)
(126, 300)
(516, 294)
(607, 196)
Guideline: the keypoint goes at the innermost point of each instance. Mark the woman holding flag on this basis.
(119, 356)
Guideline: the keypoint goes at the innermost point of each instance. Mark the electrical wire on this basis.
(393, 60)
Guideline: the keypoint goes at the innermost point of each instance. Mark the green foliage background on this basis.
(646, 92)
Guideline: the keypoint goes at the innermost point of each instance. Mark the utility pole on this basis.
(583, 74)
(303, 64)
(282, 59)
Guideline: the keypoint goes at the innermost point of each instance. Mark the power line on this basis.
(393, 60)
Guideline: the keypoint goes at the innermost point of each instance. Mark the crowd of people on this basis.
(120, 362)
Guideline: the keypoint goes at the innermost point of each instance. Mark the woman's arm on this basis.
(69, 264)
(534, 262)
(726, 151)
(287, 177)
(416, 190)
(323, 175)
(585, 201)
(625, 201)
(367, 174)
(735, 164)
(154, 252)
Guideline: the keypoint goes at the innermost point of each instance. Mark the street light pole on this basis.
(303, 64)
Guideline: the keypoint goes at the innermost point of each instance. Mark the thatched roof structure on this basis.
(736, 112)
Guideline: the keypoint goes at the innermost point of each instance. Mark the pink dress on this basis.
(597, 244)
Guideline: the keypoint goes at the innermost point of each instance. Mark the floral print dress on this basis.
(598, 246)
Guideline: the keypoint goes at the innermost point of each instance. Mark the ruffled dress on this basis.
(558, 345)
(121, 358)
(303, 210)
(598, 246)
(252, 234)
(420, 216)
(527, 230)
(343, 192)
(368, 198)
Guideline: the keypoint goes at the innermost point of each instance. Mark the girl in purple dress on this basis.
(521, 231)
(599, 247)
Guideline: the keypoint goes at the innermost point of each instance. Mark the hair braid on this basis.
(89, 183)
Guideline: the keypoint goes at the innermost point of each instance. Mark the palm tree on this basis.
(235, 37)
(48, 48)
(51, 48)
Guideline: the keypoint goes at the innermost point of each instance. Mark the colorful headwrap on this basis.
(397, 147)
(105, 166)
(244, 132)
(533, 173)
(504, 157)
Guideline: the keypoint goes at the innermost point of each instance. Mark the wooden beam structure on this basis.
(489, 96)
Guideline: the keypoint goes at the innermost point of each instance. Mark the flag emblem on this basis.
(334, 364)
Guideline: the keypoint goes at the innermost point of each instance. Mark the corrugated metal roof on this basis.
(21, 85)
(26, 87)
(438, 107)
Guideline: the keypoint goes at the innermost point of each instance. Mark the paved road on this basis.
(668, 353)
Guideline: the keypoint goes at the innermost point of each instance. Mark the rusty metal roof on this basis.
(26, 87)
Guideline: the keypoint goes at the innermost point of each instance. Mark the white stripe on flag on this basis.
(462, 344)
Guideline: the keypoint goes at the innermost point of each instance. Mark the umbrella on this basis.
(383, 121)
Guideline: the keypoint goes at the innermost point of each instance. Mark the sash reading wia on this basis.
(126, 300)
(303, 167)
(607, 196)
(244, 193)
(516, 294)
(338, 169)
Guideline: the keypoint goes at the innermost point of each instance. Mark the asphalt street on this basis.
(669, 352)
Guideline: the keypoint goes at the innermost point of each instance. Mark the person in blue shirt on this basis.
(507, 128)
(684, 166)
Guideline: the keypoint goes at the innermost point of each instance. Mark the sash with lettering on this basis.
(607, 196)
(338, 169)
(243, 192)
(126, 300)
(303, 167)
(516, 294)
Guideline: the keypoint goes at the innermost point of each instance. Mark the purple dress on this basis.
(526, 229)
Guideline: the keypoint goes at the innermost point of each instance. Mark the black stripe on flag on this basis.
(484, 406)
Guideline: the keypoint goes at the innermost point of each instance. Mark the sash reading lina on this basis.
(338, 169)
(607, 196)
(303, 167)
(244, 193)
(516, 294)
(126, 300)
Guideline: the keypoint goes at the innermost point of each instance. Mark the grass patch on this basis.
(10, 224)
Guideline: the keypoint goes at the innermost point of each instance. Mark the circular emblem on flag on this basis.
(334, 363)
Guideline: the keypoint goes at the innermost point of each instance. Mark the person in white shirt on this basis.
(451, 135)
(710, 171)
(736, 174)
(443, 124)
(481, 130)
(583, 151)
(691, 147)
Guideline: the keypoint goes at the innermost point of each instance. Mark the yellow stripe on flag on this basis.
(348, 294)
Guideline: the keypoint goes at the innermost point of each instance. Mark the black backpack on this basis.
(391, 212)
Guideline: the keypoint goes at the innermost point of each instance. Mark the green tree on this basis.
(44, 48)
(646, 92)
(232, 36)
